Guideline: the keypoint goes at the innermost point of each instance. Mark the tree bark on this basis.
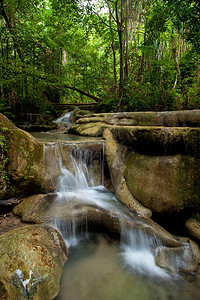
(121, 46)
(177, 67)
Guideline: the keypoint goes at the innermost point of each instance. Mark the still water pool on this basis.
(95, 270)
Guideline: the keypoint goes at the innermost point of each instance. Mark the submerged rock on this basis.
(31, 260)
(176, 259)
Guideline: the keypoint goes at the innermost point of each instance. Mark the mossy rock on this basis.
(31, 259)
(193, 227)
(159, 119)
(164, 183)
(88, 129)
(159, 140)
(23, 171)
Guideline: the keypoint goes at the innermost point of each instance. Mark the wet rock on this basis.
(78, 113)
(45, 209)
(8, 221)
(90, 152)
(31, 259)
(159, 140)
(22, 162)
(88, 129)
(167, 119)
(116, 167)
(180, 259)
(193, 227)
(176, 255)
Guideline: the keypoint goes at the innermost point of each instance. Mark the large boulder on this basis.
(193, 227)
(165, 184)
(22, 161)
(31, 263)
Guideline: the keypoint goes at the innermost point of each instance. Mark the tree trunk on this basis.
(177, 68)
(10, 26)
(141, 68)
(121, 46)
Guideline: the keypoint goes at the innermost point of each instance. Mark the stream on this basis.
(99, 265)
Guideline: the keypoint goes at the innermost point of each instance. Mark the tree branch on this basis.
(83, 93)
(102, 21)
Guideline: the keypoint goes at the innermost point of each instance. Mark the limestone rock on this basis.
(163, 183)
(189, 118)
(22, 162)
(116, 167)
(193, 227)
(31, 260)
(180, 259)
(182, 255)
(45, 209)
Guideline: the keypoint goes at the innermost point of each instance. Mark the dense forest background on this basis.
(128, 55)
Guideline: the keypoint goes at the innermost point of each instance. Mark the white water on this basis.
(77, 185)
(64, 119)
(138, 252)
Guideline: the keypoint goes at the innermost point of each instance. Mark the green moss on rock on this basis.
(25, 168)
(164, 183)
(32, 258)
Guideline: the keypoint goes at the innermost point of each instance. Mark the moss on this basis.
(188, 181)
(25, 163)
(3, 291)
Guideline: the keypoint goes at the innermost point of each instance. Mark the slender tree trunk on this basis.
(121, 46)
(113, 50)
(10, 26)
(177, 67)
(127, 38)
(114, 67)
(141, 68)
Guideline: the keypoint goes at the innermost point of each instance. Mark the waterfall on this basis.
(64, 119)
(77, 186)
(138, 252)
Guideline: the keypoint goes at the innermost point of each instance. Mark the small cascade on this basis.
(64, 119)
(76, 186)
(138, 249)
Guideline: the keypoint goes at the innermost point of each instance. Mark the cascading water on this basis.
(64, 119)
(76, 185)
(138, 252)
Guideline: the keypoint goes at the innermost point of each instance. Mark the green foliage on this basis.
(49, 45)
